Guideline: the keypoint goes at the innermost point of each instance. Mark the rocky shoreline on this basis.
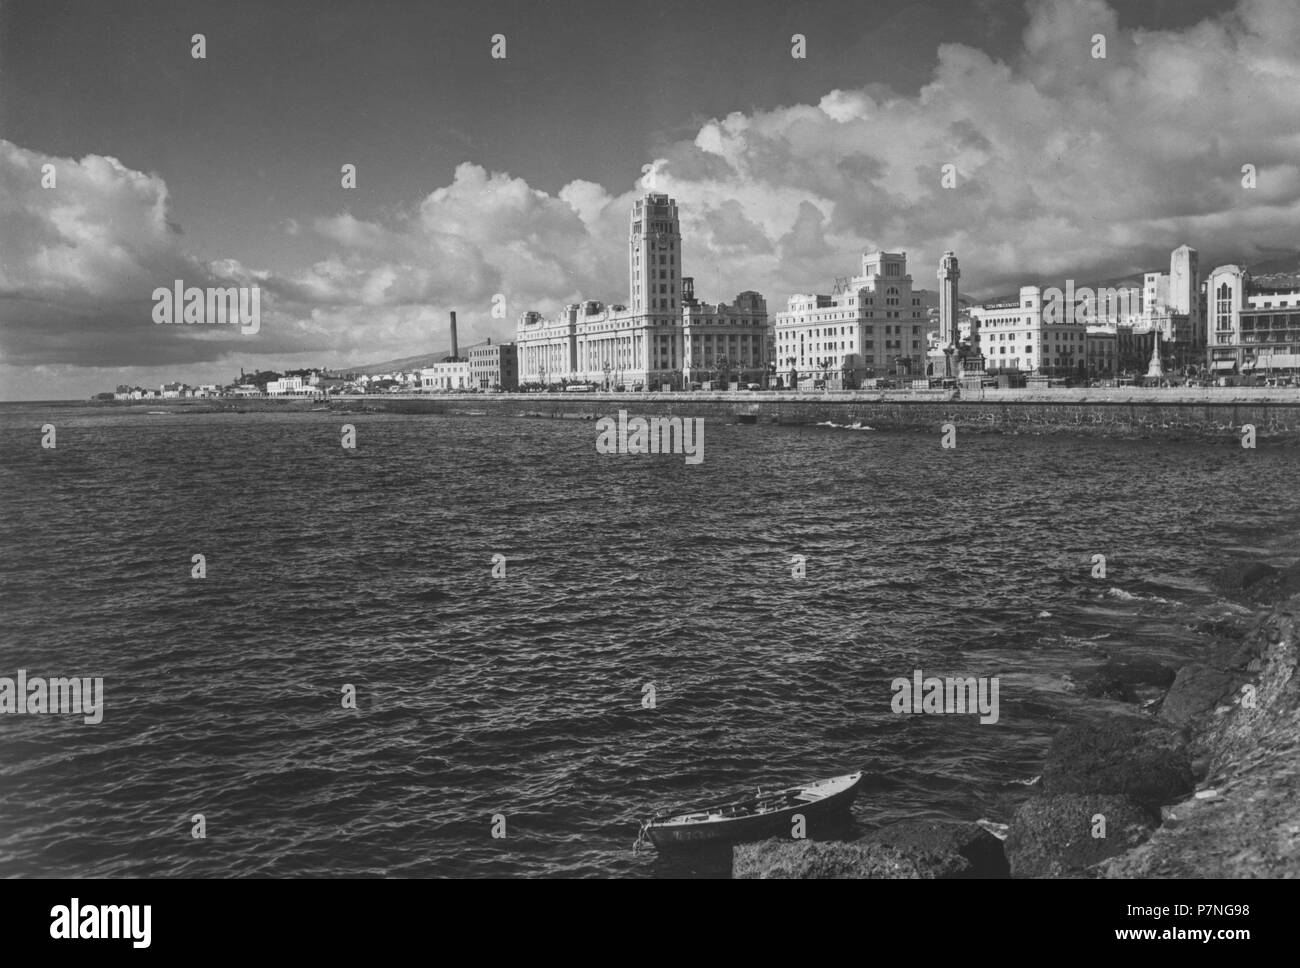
(1200, 778)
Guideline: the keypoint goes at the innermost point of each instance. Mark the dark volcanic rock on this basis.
(1238, 575)
(1247, 822)
(981, 849)
(1276, 586)
(1224, 627)
(1054, 836)
(1105, 684)
(1131, 757)
(1124, 679)
(1141, 672)
(1197, 690)
(836, 859)
(1236, 654)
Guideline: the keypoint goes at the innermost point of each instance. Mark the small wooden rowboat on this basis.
(749, 818)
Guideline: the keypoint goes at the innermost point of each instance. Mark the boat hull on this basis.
(733, 830)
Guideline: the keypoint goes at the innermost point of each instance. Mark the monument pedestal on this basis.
(973, 373)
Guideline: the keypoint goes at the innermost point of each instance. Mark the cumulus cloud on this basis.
(85, 244)
(1067, 165)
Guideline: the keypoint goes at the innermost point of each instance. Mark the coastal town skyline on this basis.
(358, 363)
(783, 183)
(1173, 328)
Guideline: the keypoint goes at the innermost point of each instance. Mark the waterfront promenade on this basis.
(1211, 412)
(1217, 412)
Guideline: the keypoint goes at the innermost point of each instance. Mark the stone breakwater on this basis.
(1275, 414)
(1211, 413)
(1200, 780)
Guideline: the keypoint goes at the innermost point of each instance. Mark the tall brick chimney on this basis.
(455, 355)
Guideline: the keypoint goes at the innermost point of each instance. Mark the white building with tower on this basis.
(662, 337)
(1171, 306)
(1253, 329)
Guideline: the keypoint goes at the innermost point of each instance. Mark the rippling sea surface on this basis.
(522, 696)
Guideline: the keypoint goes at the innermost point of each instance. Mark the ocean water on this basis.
(522, 696)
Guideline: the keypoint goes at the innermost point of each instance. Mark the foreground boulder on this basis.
(1127, 680)
(943, 838)
(1275, 587)
(1237, 576)
(1245, 821)
(1061, 836)
(836, 859)
(1197, 691)
(1128, 757)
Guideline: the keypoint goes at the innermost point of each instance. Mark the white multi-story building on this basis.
(1011, 333)
(1171, 304)
(736, 334)
(644, 343)
(288, 386)
(872, 326)
(1076, 332)
(1021, 336)
(451, 374)
(1251, 328)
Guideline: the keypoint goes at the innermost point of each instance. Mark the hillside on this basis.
(405, 363)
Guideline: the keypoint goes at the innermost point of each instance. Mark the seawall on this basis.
(1160, 413)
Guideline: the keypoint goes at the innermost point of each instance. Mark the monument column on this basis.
(947, 357)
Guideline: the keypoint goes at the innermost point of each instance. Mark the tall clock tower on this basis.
(655, 256)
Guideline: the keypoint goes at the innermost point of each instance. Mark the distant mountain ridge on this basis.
(402, 365)
(1282, 272)
(1276, 273)
(407, 362)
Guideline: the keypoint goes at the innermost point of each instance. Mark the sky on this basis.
(506, 182)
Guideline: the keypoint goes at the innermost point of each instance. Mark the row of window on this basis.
(1281, 319)
(785, 320)
(890, 330)
(844, 345)
(668, 274)
(812, 362)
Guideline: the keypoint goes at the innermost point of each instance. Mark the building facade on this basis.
(1098, 332)
(1036, 335)
(1252, 330)
(493, 366)
(724, 337)
(290, 386)
(453, 374)
(663, 337)
(1171, 305)
(872, 326)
